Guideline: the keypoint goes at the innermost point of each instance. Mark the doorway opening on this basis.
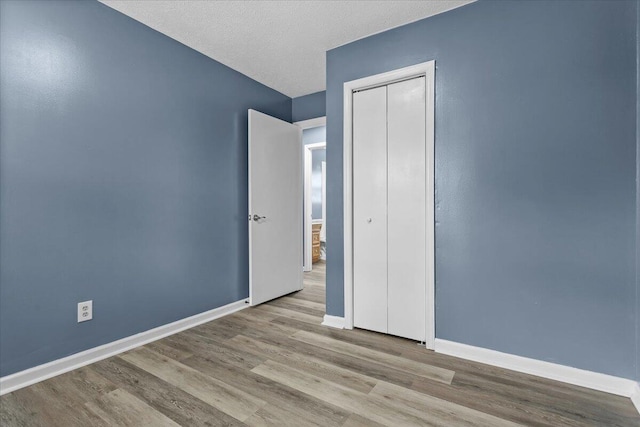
(315, 230)
(314, 195)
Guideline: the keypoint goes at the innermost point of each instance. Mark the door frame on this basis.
(426, 69)
(306, 235)
(308, 221)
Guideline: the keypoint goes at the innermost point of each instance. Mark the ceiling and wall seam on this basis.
(280, 44)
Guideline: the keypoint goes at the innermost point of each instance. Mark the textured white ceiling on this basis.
(281, 44)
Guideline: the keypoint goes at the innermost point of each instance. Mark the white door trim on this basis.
(308, 152)
(312, 123)
(426, 69)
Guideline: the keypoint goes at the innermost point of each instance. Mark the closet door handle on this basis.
(369, 220)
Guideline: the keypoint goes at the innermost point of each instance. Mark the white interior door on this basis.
(370, 209)
(407, 192)
(275, 208)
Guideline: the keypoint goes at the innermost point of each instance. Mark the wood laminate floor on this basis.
(275, 365)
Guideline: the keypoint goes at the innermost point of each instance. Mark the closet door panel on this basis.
(370, 209)
(407, 209)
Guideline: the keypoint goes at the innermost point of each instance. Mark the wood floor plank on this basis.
(297, 307)
(206, 347)
(17, 412)
(38, 405)
(251, 322)
(508, 409)
(365, 367)
(316, 320)
(307, 363)
(450, 413)
(358, 337)
(81, 385)
(552, 395)
(565, 410)
(119, 408)
(275, 416)
(308, 296)
(172, 347)
(218, 394)
(356, 420)
(175, 403)
(304, 303)
(251, 313)
(305, 408)
(410, 366)
(386, 404)
(310, 293)
(556, 389)
(343, 397)
(216, 329)
(312, 288)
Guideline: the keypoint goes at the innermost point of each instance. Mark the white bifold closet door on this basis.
(370, 209)
(389, 209)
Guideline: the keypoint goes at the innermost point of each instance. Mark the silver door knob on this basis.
(258, 217)
(369, 220)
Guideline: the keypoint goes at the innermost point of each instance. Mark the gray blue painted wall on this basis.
(314, 135)
(535, 174)
(309, 106)
(638, 195)
(123, 178)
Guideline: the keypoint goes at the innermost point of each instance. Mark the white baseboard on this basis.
(51, 369)
(635, 397)
(593, 380)
(333, 321)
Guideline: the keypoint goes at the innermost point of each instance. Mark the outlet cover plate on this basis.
(85, 311)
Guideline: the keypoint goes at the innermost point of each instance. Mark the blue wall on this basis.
(123, 178)
(535, 174)
(314, 135)
(638, 195)
(309, 106)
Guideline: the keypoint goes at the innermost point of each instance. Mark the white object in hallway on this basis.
(275, 214)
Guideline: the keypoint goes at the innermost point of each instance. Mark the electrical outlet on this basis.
(85, 311)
